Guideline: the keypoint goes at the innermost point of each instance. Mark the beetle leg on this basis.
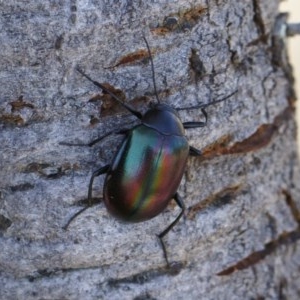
(99, 139)
(180, 203)
(98, 172)
(194, 151)
(188, 125)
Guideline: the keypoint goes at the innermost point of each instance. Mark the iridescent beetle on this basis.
(147, 169)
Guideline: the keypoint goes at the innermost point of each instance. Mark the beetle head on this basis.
(163, 118)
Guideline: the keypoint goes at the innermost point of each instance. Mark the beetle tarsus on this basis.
(98, 172)
(74, 217)
(164, 249)
(180, 203)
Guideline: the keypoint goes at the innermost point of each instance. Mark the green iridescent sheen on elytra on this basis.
(145, 174)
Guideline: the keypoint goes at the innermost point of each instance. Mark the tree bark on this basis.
(240, 235)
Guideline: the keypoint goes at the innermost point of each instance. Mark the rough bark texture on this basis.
(240, 237)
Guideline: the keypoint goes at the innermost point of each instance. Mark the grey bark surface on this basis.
(240, 235)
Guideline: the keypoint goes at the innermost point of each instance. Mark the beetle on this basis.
(147, 169)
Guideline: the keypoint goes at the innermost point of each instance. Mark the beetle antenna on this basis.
(201, 105)
(152, 68)
(101, 86)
